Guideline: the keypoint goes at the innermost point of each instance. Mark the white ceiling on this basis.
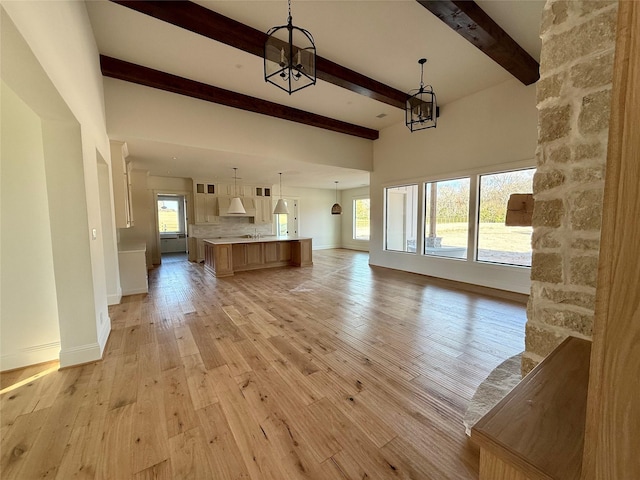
(380, 39)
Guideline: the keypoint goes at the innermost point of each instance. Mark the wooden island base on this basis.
(224, 257)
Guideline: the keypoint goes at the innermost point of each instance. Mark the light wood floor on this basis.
(336, 371)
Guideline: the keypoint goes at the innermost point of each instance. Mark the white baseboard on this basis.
(30, 356)
(114, 299)
(79, 355)
(324, 247)
(135, 291)
(103, 335)
(359, 248)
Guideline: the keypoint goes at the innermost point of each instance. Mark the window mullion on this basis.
(474, 205)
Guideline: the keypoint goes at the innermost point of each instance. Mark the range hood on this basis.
(249, 206)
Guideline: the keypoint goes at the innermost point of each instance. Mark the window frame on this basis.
(418, 226)
(474, 210)
(477, 216)
(424, 217)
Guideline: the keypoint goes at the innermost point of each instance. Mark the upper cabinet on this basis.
(205, 202)
(121, 176)
(212, 201)
(264, 210)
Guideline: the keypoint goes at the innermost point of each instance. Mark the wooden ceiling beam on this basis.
(201, 20)
(470, 21)
(130, 72)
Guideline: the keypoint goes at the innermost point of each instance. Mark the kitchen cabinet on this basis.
(173, 244)
(264, 208)
(277, 252)
(196, 249)
(121, 176)
(133, 269)
(205, 203)
(204, 187)
(206, 209)
(231, 190)
(225, 256)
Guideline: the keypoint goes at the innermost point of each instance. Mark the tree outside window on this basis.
(447, 218)
(498, 243)
(361, 219)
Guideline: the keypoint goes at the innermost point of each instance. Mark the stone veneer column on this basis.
(573, 93)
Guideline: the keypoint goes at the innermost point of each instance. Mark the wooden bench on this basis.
(537, 430)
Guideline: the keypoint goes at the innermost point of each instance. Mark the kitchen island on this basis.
(225, 256)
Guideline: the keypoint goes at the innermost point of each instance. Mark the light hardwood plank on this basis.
(331, 372)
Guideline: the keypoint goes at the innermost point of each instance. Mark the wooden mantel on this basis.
(223, 257)
(537, 431)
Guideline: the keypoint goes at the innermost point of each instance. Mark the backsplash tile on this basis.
(230, 227)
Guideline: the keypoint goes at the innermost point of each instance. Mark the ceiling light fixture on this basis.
(290, 61)
(281, 205)
(236, 207)
(336, 209)
(421, 109)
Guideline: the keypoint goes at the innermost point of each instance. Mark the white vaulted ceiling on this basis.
(380, 39)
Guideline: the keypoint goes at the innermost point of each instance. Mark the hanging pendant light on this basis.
(421, 108)
(281, 205)
(336, 209)
(236, 207)
(290, 61)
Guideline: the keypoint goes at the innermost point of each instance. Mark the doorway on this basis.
(172, 226)
(287, 224)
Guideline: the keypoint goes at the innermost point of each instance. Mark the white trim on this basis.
(359, 248)
(79, 355)
(135, 291)
(325, 247)
(115, 298)
(30, 356)
(103, 335)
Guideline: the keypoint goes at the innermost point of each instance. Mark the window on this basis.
(498, 243)
(447, 218)
(361, 219)
(171, 214)
(401, 218)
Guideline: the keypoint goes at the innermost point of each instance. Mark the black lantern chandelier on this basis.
(290, 60)
(421, 109)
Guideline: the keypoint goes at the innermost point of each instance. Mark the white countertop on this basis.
(132, 247)
(226, 241)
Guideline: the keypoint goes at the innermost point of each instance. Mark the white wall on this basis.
(347, 198)
(493, 128)
(28, 321)
(49, 58)
(112, 279)
(314, 216)
(135, 111)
